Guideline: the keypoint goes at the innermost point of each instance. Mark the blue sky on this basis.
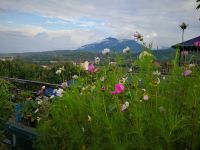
(68, 24)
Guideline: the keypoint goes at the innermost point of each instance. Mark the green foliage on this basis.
(20, 69)
(89, 117)
(5, 108)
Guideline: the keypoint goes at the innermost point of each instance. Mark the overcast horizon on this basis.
(31, 26)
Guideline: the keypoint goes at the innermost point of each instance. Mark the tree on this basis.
(183, 26)
(198, 6)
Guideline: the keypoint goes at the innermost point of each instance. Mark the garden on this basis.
(106, 106)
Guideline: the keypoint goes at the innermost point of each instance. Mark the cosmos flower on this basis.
(197, 44)
(84, 65)
(75, 77)
(58, 71)
(58, 92)
(102, 79)
(130, 70)
(145, 97)
(64, 85)
(119, 88)
(138, 36)
(91, 68)
(156, 73)
(39, 102)
(62, 68)
(106, 51)
(96, 60)
(126, 50)
(187, 73)
(144, 54)
(125, 106)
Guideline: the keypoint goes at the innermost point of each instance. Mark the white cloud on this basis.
(157, 20)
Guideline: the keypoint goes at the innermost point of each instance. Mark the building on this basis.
(4, 58)
(189, 51)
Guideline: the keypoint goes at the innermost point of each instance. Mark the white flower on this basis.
(106, 51)
(164, 78)
(96, 60)
(39, 102)
(156, 73)
(58, 71)
(62, 68)
(102, 79)
(145, 54)
(130, 70)
(126, 50)
(64, 85)
(145, 97)
(74, 77)
(59, 91)
(125, 106)
(85, 65)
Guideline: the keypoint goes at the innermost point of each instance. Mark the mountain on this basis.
(112, 43)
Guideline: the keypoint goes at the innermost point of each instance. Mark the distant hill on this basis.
(114, 44)
(79, 55)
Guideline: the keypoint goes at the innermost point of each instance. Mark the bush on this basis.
(5, 107)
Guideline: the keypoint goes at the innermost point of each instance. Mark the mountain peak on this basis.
(113, 44)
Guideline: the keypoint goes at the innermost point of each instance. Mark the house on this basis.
(189, 51)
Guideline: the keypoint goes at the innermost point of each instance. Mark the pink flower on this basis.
(197, 44)
(187, 73)
(91, 68)
(119, 88)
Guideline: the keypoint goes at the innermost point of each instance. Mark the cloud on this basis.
(92, 20)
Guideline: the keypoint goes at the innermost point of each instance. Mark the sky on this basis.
(35, 25)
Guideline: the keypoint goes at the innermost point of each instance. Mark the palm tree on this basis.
(183, 26)
(198, 6)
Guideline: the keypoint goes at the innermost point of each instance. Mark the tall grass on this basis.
(89, 117)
